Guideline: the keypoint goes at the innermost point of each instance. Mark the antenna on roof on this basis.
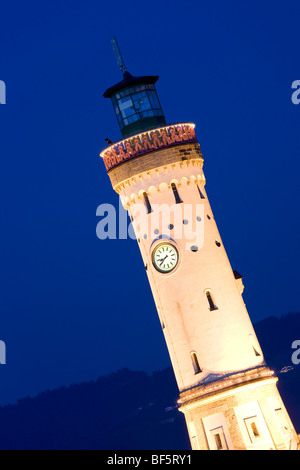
(118, 55)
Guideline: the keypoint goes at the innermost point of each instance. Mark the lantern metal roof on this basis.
(130, 80)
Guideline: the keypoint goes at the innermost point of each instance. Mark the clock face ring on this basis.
(165, 257)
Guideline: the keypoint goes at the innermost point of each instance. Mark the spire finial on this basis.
(118, 55)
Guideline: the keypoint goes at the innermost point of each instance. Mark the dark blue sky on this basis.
(67, 312)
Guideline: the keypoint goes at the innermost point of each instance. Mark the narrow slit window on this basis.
(178, 199)
(197, 368)
(253, 428)
(210, 300)
(200, 193)
(218, 441)
(147, 203)
(254, 347)
(255, 352)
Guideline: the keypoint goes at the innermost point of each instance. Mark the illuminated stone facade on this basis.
(227, 393)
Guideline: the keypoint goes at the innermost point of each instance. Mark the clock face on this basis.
(165, 257)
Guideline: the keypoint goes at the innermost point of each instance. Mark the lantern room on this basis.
(135, 100)
(136, 104)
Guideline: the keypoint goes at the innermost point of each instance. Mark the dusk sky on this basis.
(73, 307)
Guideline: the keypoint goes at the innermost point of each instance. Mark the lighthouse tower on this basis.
(227, 393)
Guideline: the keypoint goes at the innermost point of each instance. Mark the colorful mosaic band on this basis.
(148, 142)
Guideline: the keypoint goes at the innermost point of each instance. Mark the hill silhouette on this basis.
(133, 410)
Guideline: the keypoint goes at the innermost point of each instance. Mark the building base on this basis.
(242, 411)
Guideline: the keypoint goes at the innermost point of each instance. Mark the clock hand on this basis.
(162, 260)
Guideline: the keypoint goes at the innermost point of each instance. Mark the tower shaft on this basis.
(227, 393)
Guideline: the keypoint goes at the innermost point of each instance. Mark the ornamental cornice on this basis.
(173, 172)
(147, 142)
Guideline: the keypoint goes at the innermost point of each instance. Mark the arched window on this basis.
(210, 300)
(195, 363)
(178, 199)
(147, 202)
